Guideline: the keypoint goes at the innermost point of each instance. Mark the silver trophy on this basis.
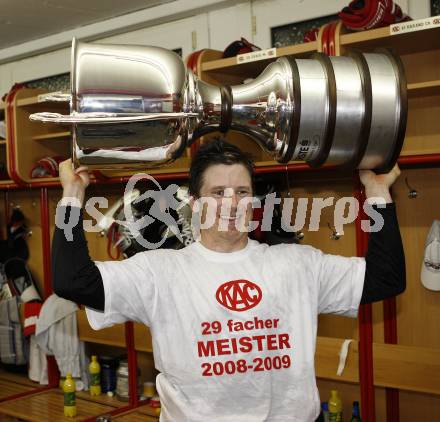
(137, 106)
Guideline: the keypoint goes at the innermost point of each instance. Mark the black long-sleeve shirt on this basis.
(76, 277)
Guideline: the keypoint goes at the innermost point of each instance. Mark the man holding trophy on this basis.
(234, 321)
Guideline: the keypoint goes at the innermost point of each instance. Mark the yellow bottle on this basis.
(95, 377)
(335, 407)
(69, 396)
(155, 404)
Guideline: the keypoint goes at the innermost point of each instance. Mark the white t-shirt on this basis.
(234, 334)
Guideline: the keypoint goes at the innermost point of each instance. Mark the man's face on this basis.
(229, 188)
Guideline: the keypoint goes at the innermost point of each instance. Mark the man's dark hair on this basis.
(216, 151)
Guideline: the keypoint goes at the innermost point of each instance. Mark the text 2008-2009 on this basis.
(241, 366)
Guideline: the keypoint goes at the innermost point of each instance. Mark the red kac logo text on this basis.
(239, 295)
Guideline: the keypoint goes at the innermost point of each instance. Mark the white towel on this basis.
(57, 334)
(37, 362)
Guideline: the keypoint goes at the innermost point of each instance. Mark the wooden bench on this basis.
(49, 406)
(11, 384)
(134, 416)
(21, 379)
(140, 414)
(10, 388)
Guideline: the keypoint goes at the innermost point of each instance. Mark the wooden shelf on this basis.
(183, 168)
(3, 142)
(45, 179)
(147, 410)
(143, 413)
(114, 336)
(405, 43)
(424, 88)
(135, 416)
(49, 136)
(27, 101)
(403, 367)
(367, 40)
(48, 406)
(30, 101)
(421, 145)
(102, 399)
(21, 156)
(21, 379)
(7, 183)
(230, 64)
(181, 165)
(10, 388)
(11, 384)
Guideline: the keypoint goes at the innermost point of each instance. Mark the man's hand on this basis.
(74, 182)
(378, 185)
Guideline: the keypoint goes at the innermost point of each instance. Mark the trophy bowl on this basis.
(134, 106)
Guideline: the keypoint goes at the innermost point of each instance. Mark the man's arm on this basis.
(74, 275)
(385, 259)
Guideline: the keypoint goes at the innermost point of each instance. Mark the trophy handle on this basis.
(57, 97)
(99, 118)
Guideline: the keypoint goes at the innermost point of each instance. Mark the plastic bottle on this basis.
(69, 396)
(95, 377)
(155, 404)
(356, 415)
(325, 414)
(335, 407)
(108, 373)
